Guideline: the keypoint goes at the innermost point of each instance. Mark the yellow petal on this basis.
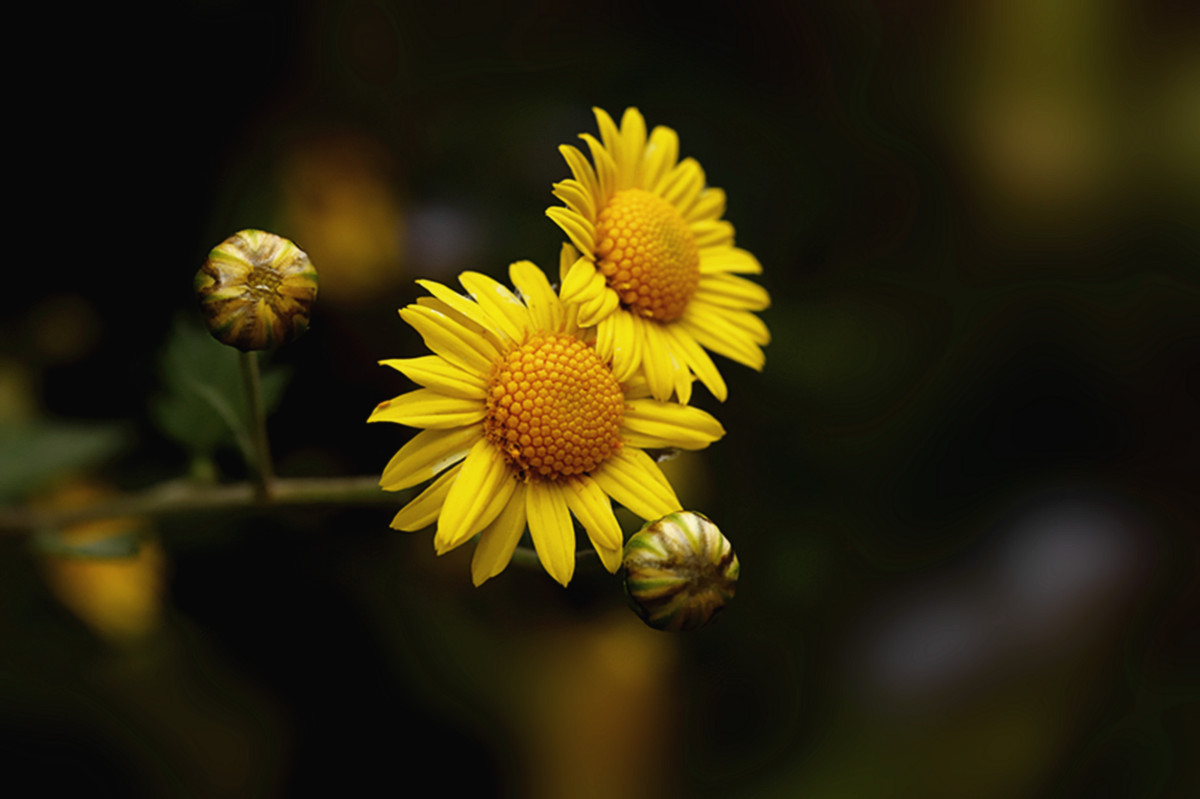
(427, 408)
(710, 204)
(456, 343)
(593, 509)
(576, 197)
(464, 306)
(684, 185)
(731, 291)
(434, 371)
(698, 361)
(423, 510)
(545, 308)
(427, 454)
(501, 305)
(599, 307)
(551, 529)
(476, 498)
(578, 229)
(714, 333)
(618, 338)
(660, 425)
(499, 539)
(657, 362)
(606, 169)
(577, 285)
(633, 147)
(611, 558)
(744, 321)
(662, 152)
(582, 171)
(712, 233)
(683, 373)
(609, 133)
(728, 259)
(636, 387)
(633, 479)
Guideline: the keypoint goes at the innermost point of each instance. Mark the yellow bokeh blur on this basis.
(341, 197)
(119, 599)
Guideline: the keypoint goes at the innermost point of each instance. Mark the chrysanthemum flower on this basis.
(659, 273)
(526, 424)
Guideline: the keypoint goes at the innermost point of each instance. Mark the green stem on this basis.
(181, 497)
(263, 470)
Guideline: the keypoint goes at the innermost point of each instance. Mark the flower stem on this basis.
(183, 497)
(264, 473)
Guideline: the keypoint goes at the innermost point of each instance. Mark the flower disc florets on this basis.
(647, 254)
(553, 408)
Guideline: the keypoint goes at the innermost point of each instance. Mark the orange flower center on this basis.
(647, 254)
(553, 408)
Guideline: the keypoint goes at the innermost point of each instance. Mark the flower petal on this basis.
(579, 283)
(606, 170)
(577, 198)
(710, 204)
(609, 133)
(657, 362)
(662, 152)
(428, 408)
(583, 172)
(427, 454)
(424, 509)
(545, 308)
(633, 479)
(651, 424)
(434, 371)
(684, 185)
(499, 539)
(633, 147)
(715, 333)
(483, 486)
(728, 259)
(599, 307)
(731, 291)
(551, 529)
(618, 339)
(501, 305)
(593, 509)
(698, 361)
(457, 344)
(712, 233)
(464, 306)
(578, 229)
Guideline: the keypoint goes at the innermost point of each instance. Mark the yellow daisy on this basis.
(659, 273)
(526, 424)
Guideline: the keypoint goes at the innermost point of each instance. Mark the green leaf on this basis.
(121, 545)
(33, 453)
(203, 402)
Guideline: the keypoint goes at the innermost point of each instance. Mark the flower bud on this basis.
(679, 571)
(256, 290)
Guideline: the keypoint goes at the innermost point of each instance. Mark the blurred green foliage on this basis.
(202, 404)
(33, 454)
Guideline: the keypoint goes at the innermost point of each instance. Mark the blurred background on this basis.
(963, 490)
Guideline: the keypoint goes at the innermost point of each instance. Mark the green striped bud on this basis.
(679, 571)
(256, 290)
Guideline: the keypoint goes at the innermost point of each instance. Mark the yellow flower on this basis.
(526, 424)
(659, 273)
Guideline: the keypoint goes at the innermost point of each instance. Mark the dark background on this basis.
(963, 490)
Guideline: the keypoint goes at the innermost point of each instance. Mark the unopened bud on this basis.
(256, 290)
(679, 571)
